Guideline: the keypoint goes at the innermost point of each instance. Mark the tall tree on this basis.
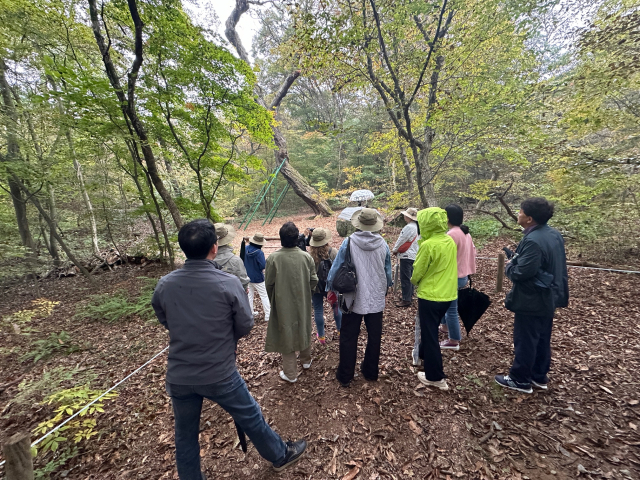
(128, 101)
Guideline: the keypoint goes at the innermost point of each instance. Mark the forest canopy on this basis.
(123, 120)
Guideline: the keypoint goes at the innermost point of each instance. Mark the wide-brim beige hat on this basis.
(367, 220)
(412, 213)
(258, 239)
(226, 234)
(320, 237)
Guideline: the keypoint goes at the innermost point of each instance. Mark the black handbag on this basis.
(345, 279)
(472, 304)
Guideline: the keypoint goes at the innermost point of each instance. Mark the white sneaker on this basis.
(287, 379)
(307, 366)
(254, 313)
(441, 384)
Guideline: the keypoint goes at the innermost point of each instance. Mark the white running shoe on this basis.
(441, 384)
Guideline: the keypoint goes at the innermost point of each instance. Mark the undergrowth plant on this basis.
(54, 343)
(41, 308)
(119, 305)
(31, 392)
(68, 402)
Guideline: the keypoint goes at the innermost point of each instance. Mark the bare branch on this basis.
(497, 217)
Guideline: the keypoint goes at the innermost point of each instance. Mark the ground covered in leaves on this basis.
(586, 424)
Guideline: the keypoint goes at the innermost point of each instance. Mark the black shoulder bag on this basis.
(346, 280)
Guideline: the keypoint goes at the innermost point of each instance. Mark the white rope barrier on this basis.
(95, 400)
(580, 266)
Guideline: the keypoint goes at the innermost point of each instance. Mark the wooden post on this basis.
(501, 258)
(396, 280)
(17, 452)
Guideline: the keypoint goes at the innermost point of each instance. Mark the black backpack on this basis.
(346, 280)
(323, 272)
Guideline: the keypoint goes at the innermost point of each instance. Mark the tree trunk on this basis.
(13, 155)
(407, 168)
(85, 195)
(302, 188)
(53, 245)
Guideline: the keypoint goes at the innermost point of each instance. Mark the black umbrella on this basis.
(242, 437)
(472, 304)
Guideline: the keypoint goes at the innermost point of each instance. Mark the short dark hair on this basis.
(196, 238)
(289, 235)
(538, 208)
(455, 214)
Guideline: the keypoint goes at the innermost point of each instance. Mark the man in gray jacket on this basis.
(229, 262)
(206, 312)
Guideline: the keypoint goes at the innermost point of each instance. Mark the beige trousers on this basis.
(290, 365)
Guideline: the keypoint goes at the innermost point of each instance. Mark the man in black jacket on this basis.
(538, 271)
(206, 312)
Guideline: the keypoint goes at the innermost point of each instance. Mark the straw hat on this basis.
(412, 213)
(367, 220)
(320, 237)
(258, 239)
(226, 234)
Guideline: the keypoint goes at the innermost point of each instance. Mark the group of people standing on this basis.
(206, 309)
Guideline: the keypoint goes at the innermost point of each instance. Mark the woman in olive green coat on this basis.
(290, 277)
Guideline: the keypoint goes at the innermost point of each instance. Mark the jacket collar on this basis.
(205, 264)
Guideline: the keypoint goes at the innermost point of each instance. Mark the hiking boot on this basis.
(441, 384)
(449, 345)
(287, 379)
(292, 455)
(307, 366)
(403, 304)
(541, 386)
(508, 382)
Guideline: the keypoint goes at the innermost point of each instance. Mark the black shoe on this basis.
(345, 385)
(508, 382)
(292, 455)
(367, 378)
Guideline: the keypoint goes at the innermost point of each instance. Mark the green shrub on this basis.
(55, 343)
(50, 381)
(119, 306)
(483, 229)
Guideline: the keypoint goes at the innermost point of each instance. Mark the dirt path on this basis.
(392, 428)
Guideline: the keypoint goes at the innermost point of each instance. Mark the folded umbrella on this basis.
(242, 437)
(472, 304)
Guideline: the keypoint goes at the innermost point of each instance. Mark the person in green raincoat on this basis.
(290, 277)
(435, 273)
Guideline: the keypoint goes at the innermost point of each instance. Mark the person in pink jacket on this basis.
(466, 266)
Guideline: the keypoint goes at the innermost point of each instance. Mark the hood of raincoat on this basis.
(431, 221)
(368, 240)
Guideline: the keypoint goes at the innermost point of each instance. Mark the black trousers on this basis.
(431, 314)
(532, 345)
(406, 271)
(349, 333)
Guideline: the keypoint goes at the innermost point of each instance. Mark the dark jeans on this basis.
(234, 397)
(532, 345)
(349, 332)
(406, 271)
(430, 314)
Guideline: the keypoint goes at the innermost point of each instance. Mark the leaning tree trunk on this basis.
(302, 188)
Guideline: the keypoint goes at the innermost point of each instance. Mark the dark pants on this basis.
(234, 397)
(349, 332)
(406, 271)
(430, 314)
(532, 345)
